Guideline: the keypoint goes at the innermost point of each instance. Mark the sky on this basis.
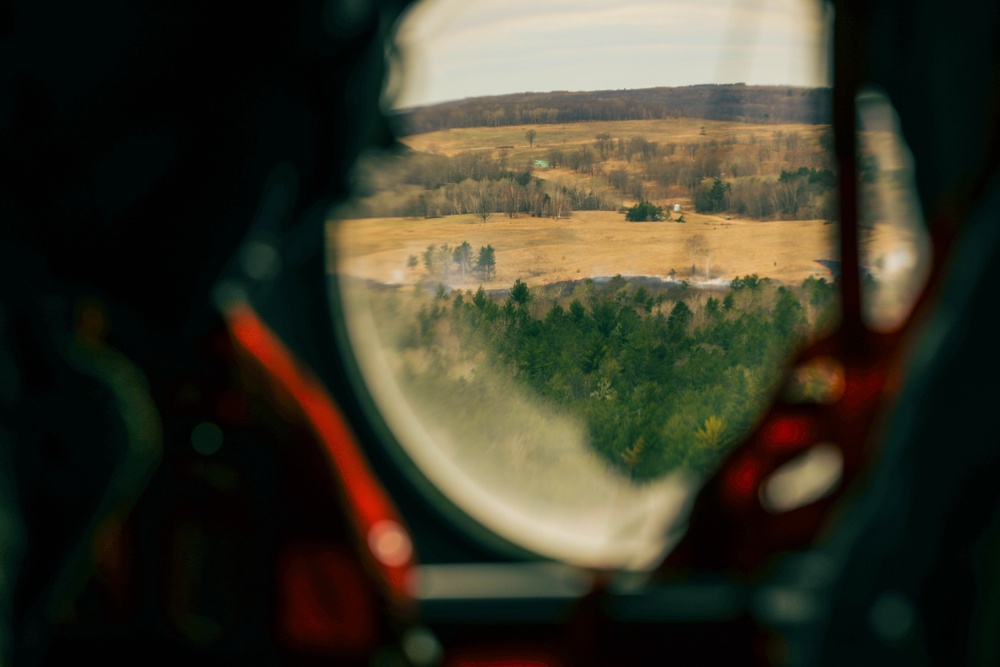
(453, 49)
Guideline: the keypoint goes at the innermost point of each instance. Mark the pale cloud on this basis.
(466, 48)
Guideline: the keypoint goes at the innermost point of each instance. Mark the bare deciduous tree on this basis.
(604, 144)
(483, 202)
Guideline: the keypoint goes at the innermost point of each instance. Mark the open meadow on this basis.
(597, 243)
(568, 135)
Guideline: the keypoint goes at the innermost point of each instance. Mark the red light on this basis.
(865, 386)
(743, 478)
(525, 655)
(503, 662)
(786, 432)
(368, 503)
(325, 605)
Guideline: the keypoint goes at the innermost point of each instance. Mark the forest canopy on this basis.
(664, 378)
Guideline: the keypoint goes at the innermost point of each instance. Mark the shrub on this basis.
(644, 211)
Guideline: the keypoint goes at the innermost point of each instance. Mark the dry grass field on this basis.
(570, 135)
(588, 244)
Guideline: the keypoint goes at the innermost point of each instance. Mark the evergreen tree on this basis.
(486, 263)
(519, 293)
(655, 393)
(677, 323)
(644, 211)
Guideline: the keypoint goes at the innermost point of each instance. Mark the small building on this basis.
(542, 164)
(677, 208)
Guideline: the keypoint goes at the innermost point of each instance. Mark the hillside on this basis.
(733, 102)
(764, 171)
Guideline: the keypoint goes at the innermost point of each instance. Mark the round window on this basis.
(569, 305)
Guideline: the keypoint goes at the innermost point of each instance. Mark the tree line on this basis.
(482, 183)
(443, 261)
(720, 175)
(735, 102)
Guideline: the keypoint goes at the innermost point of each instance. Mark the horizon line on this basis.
(602, 90)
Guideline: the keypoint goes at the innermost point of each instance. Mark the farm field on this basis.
(598, 243)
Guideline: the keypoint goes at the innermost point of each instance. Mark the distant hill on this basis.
(734, 102)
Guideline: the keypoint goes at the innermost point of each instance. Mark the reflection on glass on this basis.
(818, 380)
(803, 480)
(895, 244)
(569, 306)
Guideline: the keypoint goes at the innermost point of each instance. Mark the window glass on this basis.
(894, 241)
(567, 306)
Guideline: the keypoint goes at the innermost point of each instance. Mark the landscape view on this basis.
(570, 305)
(614, 272)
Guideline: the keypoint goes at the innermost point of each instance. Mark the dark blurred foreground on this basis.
(176, 479)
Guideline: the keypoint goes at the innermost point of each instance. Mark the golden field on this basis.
(595, 243)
